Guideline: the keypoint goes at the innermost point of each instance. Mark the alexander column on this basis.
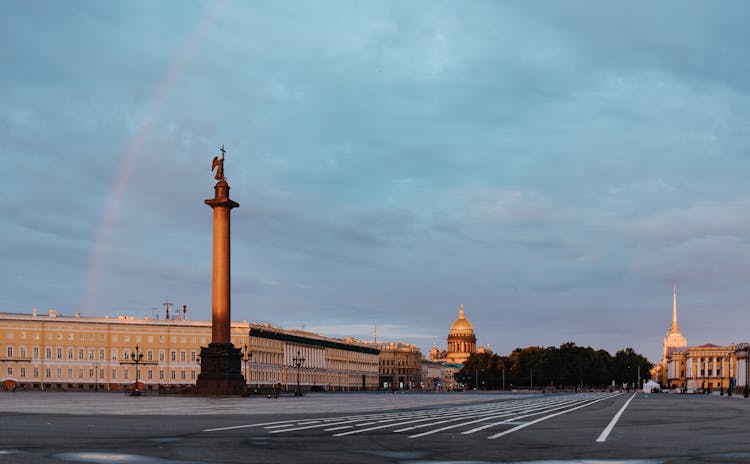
(220, 361)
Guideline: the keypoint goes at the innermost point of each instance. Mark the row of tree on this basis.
(562, 367)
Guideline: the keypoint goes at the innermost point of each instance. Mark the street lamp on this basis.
(746, 348)
(298, 361)
(246, 359)
(96, 376)
(137, 356)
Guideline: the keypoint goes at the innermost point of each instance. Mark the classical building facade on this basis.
(433, 375)
(705, 367)
(400, 366)
(462, 341)
(58, 352)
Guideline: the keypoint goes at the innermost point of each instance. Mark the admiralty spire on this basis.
(673, 341)
(674, 338)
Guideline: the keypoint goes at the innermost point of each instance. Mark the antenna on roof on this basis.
(167, 306)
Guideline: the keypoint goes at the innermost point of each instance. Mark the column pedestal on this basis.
(221, 372)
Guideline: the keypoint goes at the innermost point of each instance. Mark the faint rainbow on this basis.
(130, 156)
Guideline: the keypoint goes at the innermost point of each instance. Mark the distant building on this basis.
(702, 367)
(673, 341)
(86, 353)
(433, 375)
(400, 366)
(461, 342)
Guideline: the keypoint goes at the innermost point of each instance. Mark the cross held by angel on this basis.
(218, 164)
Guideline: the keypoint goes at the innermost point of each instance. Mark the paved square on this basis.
(375, 427)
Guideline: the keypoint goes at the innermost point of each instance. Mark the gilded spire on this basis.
(461, 312)
(675, 327)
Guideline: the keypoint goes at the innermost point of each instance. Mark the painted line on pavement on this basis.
(605, 433)
(519, 427)
(532, 411)
(218, 429)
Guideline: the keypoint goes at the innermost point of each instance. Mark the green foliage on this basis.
(565, 366)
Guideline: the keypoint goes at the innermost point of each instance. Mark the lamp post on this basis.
(246, 359)
(136, 356)
(298, 361)
(746, 348)
(96, 376)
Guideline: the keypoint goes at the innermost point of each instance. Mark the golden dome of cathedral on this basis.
(461, 325)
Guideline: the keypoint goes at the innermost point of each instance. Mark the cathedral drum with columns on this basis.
(461, 342)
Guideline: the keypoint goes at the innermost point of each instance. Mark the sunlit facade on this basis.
(400, 366)
(462, 341)
(702, 367)
(674, 341)
(58, 352)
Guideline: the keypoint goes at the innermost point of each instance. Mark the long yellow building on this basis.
(705, 367)
(58, 352)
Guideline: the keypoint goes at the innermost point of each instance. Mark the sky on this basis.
(556, 167)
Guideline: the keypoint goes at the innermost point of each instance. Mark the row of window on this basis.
(114, 337)
(70, 354)
(91, 373)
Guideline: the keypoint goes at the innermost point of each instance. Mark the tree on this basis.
(565, 366)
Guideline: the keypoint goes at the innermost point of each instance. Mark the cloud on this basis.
(391, 162)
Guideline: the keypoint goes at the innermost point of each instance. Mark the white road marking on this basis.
(529, 413)
(519, 427)
(242, 426)
(605, 433)
(490, 414)
(538, 410)
(338, 428)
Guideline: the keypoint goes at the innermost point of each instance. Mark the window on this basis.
(182, 356)
(150, 356)
(101, 374)
(36, 372)
(48, 353)
(182, 375)
(101, 354)
(161, 375)
(23, 351)
(10, 371)
(70, 373)
(80, 353)
(80, 373)
(173, 355)
(10, 351)
(23, 372)
(161, 355)
(192, 375)
(70, 353)
(125, 374)
(91, 354)
(36, 352)
(125, 355)
(149, 374)
(59, 353)
(114, 374)
(172, 375)
(192, 356)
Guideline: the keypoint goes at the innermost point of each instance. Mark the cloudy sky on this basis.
(556, 167)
